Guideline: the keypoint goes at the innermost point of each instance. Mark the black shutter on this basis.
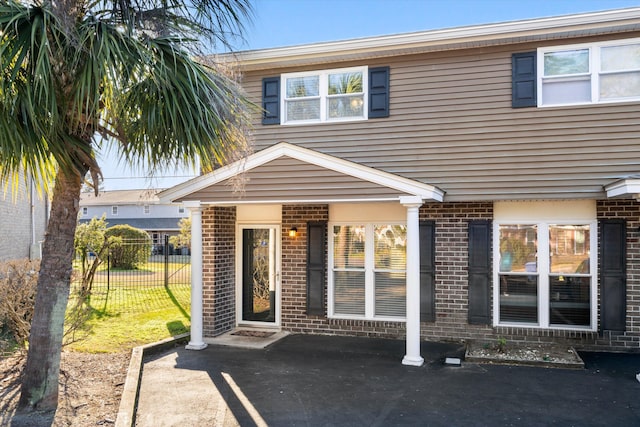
(427, 271)
(523, 80)
(271, 101)
(479, 272)
(613, 281)
(316, 238)
(378, 92)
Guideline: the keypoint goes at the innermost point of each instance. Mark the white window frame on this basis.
(543, 274)
(114, 210)
(146, 209)
(324, 95)
(369, 271)
(593, 74)
(85, 211)
(180, 209)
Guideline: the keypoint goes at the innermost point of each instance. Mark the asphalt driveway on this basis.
(305, 380)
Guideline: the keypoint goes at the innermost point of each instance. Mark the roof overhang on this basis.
(586, 24)
(396, 188)
(628, 188)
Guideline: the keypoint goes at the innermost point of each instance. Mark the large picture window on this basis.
(545, 275)
(589, 73)
(330, 95)
(368, 271)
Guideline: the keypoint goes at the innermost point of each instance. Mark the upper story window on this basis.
(85, 210)
(589, 73)
(114, 210)
(347, 94)
(146, 209)
(329, 95)
(180, 209)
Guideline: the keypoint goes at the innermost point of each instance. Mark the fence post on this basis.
(108, 270)
(166, 261)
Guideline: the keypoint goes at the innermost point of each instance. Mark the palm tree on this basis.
(74, 72)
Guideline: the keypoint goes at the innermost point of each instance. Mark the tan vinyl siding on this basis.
(287, 179)
(452, 126)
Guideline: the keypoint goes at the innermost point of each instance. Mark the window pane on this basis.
(303, 86)
(390, 294)
(566, 62)
(569, 300)
(566, 91)
(348, 246)
(615, 58)
(569, 249)
(390, 247)
(345, 106)
(519, 298)
(303, 110)
(518, 248)
(619, 85)
(345, 83)
(349, 292)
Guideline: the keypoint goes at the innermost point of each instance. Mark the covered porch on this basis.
(277, 201)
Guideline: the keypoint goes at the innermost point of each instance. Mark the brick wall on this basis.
(452, 245)
(218, 270)
(451, 280)
(628, 210)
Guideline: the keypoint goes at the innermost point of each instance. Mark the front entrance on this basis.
(260, 274)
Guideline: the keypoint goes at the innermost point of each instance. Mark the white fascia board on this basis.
(629, 187)
(405, 185)
(504, 32)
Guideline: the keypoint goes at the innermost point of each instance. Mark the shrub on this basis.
(132, 250)
(18, 282)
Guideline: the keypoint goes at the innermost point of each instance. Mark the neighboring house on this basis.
(458, 184)
(137, 208)
(23, 222)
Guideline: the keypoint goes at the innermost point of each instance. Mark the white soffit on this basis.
(401, 184)
(586, 24)
(624, 188)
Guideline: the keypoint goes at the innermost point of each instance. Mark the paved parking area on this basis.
(305, 380)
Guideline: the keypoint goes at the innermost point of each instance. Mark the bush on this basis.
(18, 282)
(133, 250)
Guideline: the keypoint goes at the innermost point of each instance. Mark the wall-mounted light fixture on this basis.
(293, 232)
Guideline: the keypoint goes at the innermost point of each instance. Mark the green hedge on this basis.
(132, 251)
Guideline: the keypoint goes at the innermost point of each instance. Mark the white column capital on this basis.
(411, 201)
(192, 205)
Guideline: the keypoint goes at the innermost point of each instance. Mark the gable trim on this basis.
(386, 179)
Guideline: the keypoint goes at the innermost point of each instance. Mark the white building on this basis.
(137, 208)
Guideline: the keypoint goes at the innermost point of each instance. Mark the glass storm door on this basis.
(259, 274)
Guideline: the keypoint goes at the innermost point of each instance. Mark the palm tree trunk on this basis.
(42, 370)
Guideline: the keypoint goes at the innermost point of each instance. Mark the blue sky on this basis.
(279, 23)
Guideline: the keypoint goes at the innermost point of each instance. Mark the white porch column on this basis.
(412, 356)
(196, 342)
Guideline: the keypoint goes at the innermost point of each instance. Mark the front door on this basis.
(260, 275)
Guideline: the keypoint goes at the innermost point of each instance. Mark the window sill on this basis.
(368, 319)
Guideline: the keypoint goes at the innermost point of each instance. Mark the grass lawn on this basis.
(133, 309)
